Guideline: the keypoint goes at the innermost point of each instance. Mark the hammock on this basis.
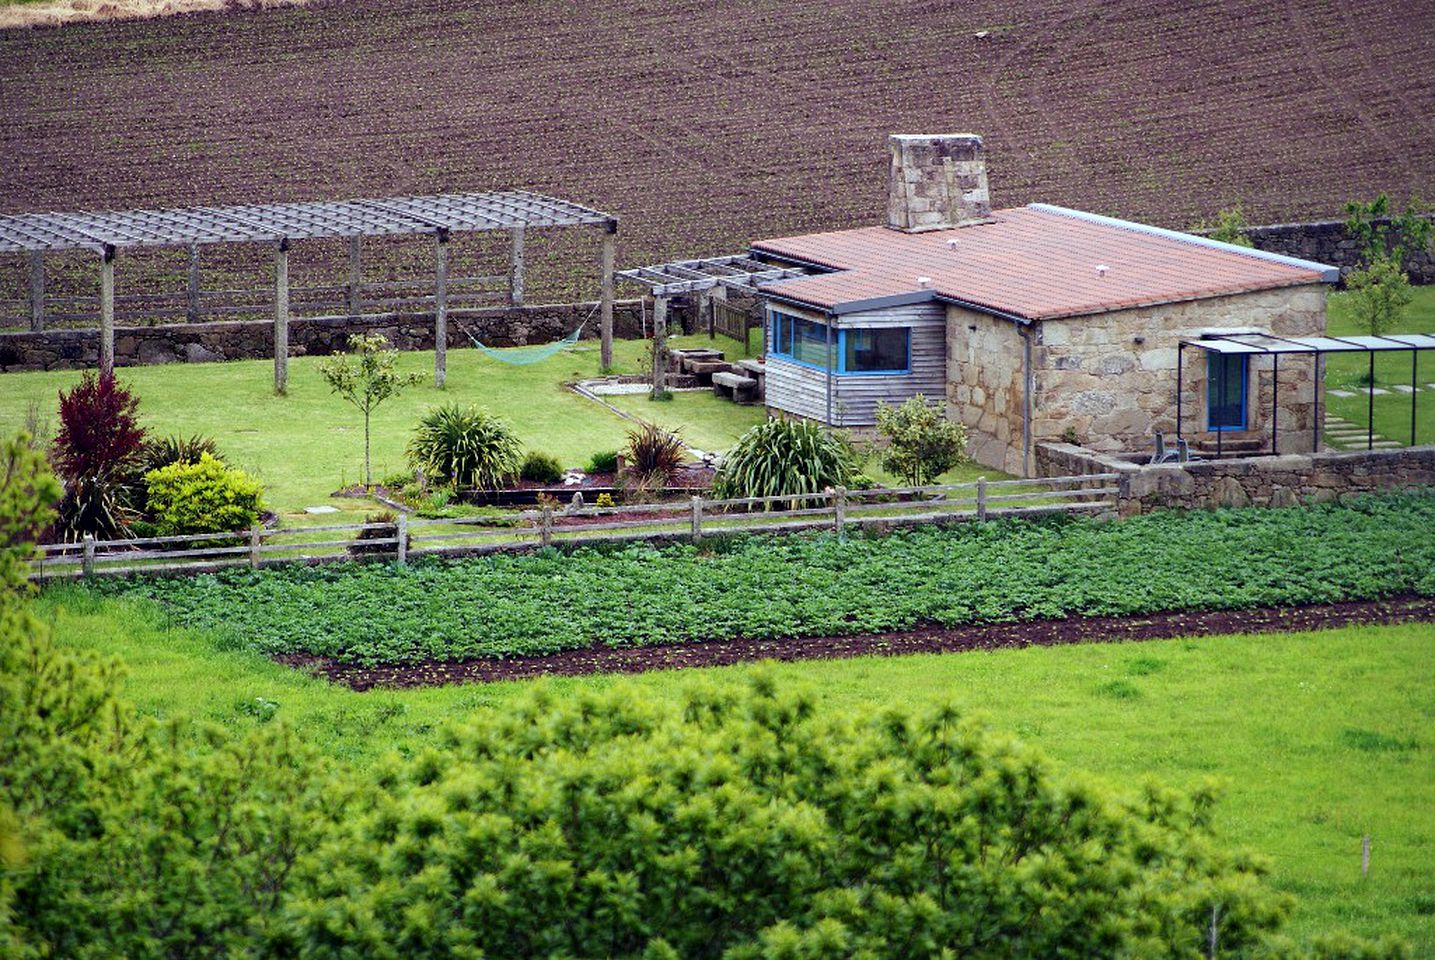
(523, 356)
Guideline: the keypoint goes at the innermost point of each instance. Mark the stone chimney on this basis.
(937, 181)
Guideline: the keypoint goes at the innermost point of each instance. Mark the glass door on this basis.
(1226, 390)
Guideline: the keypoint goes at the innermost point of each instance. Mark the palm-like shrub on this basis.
(654, 455)
(781, 457)
(465, 447)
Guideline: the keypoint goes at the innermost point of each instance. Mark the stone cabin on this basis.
(1035, 323)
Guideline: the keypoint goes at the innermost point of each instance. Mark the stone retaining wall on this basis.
(1327, 241)
(203, 342)
(1249, 481)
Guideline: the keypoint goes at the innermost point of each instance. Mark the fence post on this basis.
(87, 562)
(255, 532)
(402, 547)
(546, 527)
(697, 517)
(1365, 856)
(839, 510)
(981, 498)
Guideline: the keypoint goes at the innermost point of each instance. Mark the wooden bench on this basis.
(704, 370)
(735, 387)
(755, 369)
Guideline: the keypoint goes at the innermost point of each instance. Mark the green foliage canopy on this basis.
(207, 496)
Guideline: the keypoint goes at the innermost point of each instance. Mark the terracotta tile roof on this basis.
(1034, 262)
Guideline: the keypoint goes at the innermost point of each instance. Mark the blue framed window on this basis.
(1226, 389)
(857, 350)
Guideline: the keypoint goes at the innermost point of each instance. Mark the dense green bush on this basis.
(1001, 570)
(465, 447)
(606, 462)
(779, 457)
(744, 825)
(540, 468)
(202, 497)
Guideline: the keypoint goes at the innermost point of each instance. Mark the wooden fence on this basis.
(837, 510)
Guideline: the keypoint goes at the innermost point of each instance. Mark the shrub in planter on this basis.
(95, 455)
(465, 447)
(784, 456)
(203, 497)
(363, 545)
(540, 468)
(606, 462)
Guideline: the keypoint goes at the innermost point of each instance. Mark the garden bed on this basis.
(927, 639)
(770, 588)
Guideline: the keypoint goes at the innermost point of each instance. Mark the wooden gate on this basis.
(735, 322)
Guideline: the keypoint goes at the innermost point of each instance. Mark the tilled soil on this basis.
(1045, 633)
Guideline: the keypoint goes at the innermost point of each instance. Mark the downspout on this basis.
(1024, 331)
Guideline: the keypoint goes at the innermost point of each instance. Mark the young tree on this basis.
(922, 444)
(1230, 226)
(1380, 290)
(369, 382)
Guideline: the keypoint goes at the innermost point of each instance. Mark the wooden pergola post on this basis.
(660, 346)
(440, 309)
(107, 311)
(707, 314)
(515, 268)
(191, 312)
(356, 294)
(605, 317)
(281, 317)
(37, 291)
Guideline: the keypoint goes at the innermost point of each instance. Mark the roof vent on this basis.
(924, 282)
(937, 181)
(1101, 269)
(953, 243)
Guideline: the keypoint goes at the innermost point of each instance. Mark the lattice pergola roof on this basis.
(737, 271)
(291, 221)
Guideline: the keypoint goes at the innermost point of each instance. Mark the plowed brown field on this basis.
(706, 125)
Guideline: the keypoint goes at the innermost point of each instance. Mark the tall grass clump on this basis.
(465, 446)
(783, 457)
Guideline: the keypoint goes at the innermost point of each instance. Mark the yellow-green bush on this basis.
(203, 497)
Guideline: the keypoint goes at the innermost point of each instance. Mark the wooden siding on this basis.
(802, 391)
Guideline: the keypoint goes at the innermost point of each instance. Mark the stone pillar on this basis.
(515, 268)
(281, 317)
(440, 310)
(107, 311)
(936, 182)
(605, 319)
(191, 311)
(37, 291)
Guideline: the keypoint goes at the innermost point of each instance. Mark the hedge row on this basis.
(1368, 548)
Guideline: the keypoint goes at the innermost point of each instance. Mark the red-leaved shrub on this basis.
(94, 454)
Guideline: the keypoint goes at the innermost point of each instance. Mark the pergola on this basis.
(282, 223)
(1264, 344)
(737, 271)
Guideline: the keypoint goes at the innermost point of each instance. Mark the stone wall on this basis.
(984, 386)
(1249, 481)
(1111, 378)
(1327, 241)
(202, 342)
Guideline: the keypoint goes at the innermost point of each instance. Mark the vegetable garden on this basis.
(1011, 570)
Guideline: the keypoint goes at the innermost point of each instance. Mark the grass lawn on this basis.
(308, 444)
(1320, 737)
(1344, 371)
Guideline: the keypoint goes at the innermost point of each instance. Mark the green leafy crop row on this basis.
(502, 606)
